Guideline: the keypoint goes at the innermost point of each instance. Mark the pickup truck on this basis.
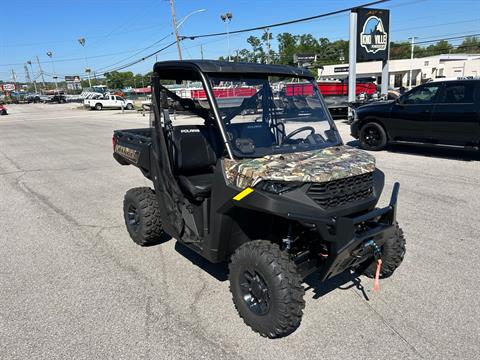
(442, 112)
(110, 102)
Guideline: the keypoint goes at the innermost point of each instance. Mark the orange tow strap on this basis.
(376, 282)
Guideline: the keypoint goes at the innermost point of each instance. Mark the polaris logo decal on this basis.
(127, 153)
(373, 37)
(187, 131)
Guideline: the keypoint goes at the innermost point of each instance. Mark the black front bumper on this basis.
(348, 236)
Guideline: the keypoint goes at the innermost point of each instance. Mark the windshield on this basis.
(273, 115)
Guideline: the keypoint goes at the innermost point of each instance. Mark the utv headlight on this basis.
(277, 187)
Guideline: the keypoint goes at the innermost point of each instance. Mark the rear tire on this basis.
(98, 106)
(372, 137)
(267, 290)
(129, 107)
(392, 253)
(142, 216)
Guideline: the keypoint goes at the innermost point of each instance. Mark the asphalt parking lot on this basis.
(73, 284)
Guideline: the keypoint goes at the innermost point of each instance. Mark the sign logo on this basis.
(8, 87)
(373, 37)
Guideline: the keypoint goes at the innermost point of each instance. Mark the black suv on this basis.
(443, 111)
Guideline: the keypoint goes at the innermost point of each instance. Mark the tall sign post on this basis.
(352, 61)
(369, 41)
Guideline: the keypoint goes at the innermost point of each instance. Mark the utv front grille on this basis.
(332, 194)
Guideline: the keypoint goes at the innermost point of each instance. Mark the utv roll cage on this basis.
(198, 69)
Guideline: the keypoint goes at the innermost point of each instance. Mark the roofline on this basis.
(458, 78)
(215, 66)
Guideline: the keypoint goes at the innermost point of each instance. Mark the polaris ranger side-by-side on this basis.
(263, 181)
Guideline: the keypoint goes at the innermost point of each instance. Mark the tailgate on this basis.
(132, 147)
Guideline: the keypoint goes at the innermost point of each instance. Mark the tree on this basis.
(287, 46)
(336, 52)
(119, 80)
(469, 45)
(400, 50)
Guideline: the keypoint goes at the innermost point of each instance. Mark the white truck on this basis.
(108, 102)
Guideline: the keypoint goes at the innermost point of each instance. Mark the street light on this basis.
(50, 55)
(177, 26)
(226, 18)
(87, 69)
(182, 20)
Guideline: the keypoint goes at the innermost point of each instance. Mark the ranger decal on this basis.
(130, 154)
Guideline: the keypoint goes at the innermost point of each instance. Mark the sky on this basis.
(117, 32)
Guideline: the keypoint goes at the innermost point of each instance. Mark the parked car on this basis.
(443, 111)
(33, 98)
(3, 110)
(110, 102)
(58, 98)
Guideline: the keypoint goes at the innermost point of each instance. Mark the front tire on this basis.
(142, 216)
(372, 137)
(392, 252)
(267, 290)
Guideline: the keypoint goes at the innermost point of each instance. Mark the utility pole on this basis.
(41, 73)
(175, 29)
(14, 77)
(27, 75)
(34, 79)
(411, 60)
(201, 51)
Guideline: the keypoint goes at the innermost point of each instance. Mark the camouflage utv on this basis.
(249, 171)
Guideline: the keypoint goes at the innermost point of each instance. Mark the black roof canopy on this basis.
(215, 66)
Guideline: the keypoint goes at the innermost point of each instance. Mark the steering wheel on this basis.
(298, 131)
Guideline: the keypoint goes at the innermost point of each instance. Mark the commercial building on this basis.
(423, 69)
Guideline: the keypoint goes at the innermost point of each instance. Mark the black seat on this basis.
(196, 186)
(194, 159)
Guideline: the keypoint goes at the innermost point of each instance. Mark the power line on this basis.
(244, 30)
(449, 38)
(121, 67)
(90, 57)
(435, 25)
(138, 52)
(284, 22)
(456, 33)
(110, 34)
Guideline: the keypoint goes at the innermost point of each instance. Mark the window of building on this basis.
(398, 80)
(414, 79)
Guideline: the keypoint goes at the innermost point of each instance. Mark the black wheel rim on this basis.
(255, 292)
(372, 136)
(133, 217)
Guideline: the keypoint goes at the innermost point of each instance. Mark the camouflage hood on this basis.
(311, 166)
